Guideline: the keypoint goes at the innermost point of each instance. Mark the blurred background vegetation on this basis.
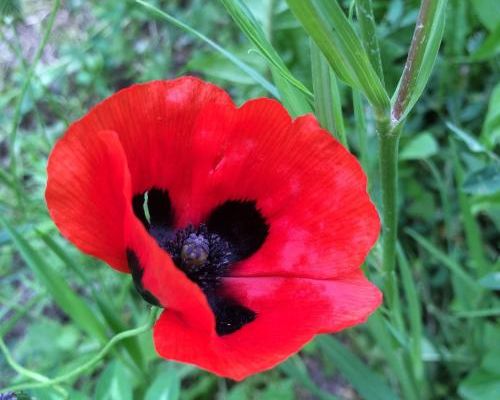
(58, 307)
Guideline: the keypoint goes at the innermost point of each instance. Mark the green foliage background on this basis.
(58, 308)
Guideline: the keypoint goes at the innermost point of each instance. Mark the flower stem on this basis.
(388, 163)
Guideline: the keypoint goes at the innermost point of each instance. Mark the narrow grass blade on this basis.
(421, 57)
(447, 261)
(367, 383)
(292, 99)
(29, 74)
(364, 12)
(332, 32)
(385, 341)
(484, 313)
(256, 76)
(101, 299)
(62, 293)
(414, 316)
(253, 31)
(295, 368)
(18, 314)
(473, 234)
(293, 93)
(326, 95)
(362, 129)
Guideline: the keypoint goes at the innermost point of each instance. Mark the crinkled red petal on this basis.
(310, 189)
(88, 193)
(154, 124)
(290, 311)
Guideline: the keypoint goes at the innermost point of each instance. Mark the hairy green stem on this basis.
(388, 164)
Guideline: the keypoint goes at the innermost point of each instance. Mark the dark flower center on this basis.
(233, 231)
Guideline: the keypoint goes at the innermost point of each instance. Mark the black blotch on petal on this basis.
(241, 225)
(137, 271)
(233, 231)
(229, 315)
(160, 208)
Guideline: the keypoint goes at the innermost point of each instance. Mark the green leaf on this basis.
(485, 11)
(282, 390)
(166, 385)
(414, 314)
(327, 99)
(420, 147)
(489, 48)
(329, 28)
(369, 384)
(10, 8)
(480, 385)
(214, 65)
(256, 76)
(490, 134)
(293, 93)
(447, 261)
(114, 383)
(486, 181)
(292, 99)
(470, 141)
(101, 298)
(62, 293)
(421, 57)
(253, 31)
(295, 368)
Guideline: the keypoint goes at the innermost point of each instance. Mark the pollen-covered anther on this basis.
(195, 250)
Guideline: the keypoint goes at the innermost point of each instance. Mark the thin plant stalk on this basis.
(388, 164)
(26, 84)
(43, 381)
(389, 129)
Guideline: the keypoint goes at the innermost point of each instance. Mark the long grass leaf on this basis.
(414, 315)
(447, 261)
(326, 95)
(332, 32)
(369, 384)
(255, 75)
(421, 57)
(254, 32)
(63, 295)
(295, 368)
(101, 299)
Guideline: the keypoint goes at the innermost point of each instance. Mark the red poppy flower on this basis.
(247, 227)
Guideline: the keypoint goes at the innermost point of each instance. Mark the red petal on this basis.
(88, 194)
(309, 187)
(290, 311)
(154, 122)
(152, 146)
